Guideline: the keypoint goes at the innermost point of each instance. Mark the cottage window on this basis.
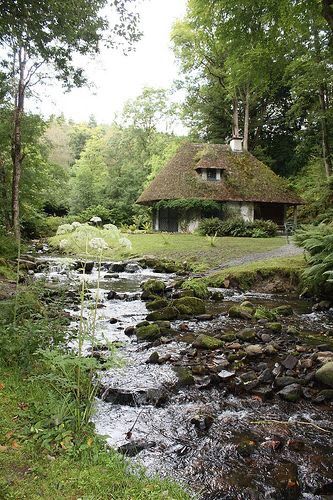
(212, 174)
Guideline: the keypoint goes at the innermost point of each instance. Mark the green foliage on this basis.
(207, 206)
(8, 246)
(26, 325)
(237, 227)
(318, 242)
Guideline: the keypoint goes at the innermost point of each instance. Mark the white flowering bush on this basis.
(88, 239)
(65, 228)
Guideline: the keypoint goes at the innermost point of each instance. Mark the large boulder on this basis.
(157, 304)
(325, 374)
(151, 288)
(190, 305)
(166, 314)
(148, 333)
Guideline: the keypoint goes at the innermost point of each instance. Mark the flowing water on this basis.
(218, 444)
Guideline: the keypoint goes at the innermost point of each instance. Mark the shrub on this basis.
(318, 242)
(210, 226)
(237, 227)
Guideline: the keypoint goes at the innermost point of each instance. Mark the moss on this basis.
(274, 327)
(207, 342)
(148, 333)
(167, 313)
(246, 334)
(325, 374)
(184, 375)
(264, 313)
(197, 287)
(157, 304)
(240, 312)
(153, 287)
(195, 305)
(284, 310)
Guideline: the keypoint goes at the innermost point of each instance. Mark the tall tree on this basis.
(39, 33)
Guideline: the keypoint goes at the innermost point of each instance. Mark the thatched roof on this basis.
(244, 178)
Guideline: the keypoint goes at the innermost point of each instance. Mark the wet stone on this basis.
(284, 381)
(113, 321)
(291, 393)
(290, 362)
(202, 422)
(264, 392)
(225, 374)
(254, 350)
(156, 397)
(325, 374)
(204, 317)
(135, 447)
(246, 334)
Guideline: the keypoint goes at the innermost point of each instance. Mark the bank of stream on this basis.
(211, 418)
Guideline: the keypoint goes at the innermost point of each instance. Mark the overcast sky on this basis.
(118, 77)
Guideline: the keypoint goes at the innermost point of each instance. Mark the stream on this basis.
(216, 439)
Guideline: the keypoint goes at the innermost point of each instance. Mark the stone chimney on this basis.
(236, 144)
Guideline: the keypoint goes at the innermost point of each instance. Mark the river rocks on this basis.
(151, 288)
(325, 374)
(284, 381)
(132, 267)
(194, 305)
(167, 313)
(291, 393)
(82, 266)
(254, 350)
(289, 362)
(148, 333)
(185, 377)
(246, 334)
(202, 422)
(323, 305)
(284, 310)
(264, 313)
(157, 304)
(240, 312)
(207, 342)
(135, 447)
(157, 397)
(216, 296)
(274, 327)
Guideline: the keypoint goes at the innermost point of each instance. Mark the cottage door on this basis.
(168, 220)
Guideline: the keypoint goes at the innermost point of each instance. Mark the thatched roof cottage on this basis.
(209, 179)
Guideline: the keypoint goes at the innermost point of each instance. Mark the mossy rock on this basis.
(194, 305)
(228, 337)
(216, 296)
(197, 287)
(264, 313)
(167, 313)
(246, 334)
(248, 304)
(148, 333)
(153, 287)
(284, 310)
(325, 374)
(274, 327)
(207, 342)
(157, 304)
(184, 310)
(240, 312)
(185, 377)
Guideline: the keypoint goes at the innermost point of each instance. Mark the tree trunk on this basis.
(327, 12)
(324, 104)
(327, 155)
(246, 120)
(235, 124)
(4, 194)
(16, 150)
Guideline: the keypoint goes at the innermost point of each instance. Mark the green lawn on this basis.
(194, 249)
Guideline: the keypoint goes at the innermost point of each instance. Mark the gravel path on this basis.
(288, 250)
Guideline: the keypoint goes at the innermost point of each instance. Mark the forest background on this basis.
(259, 69)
